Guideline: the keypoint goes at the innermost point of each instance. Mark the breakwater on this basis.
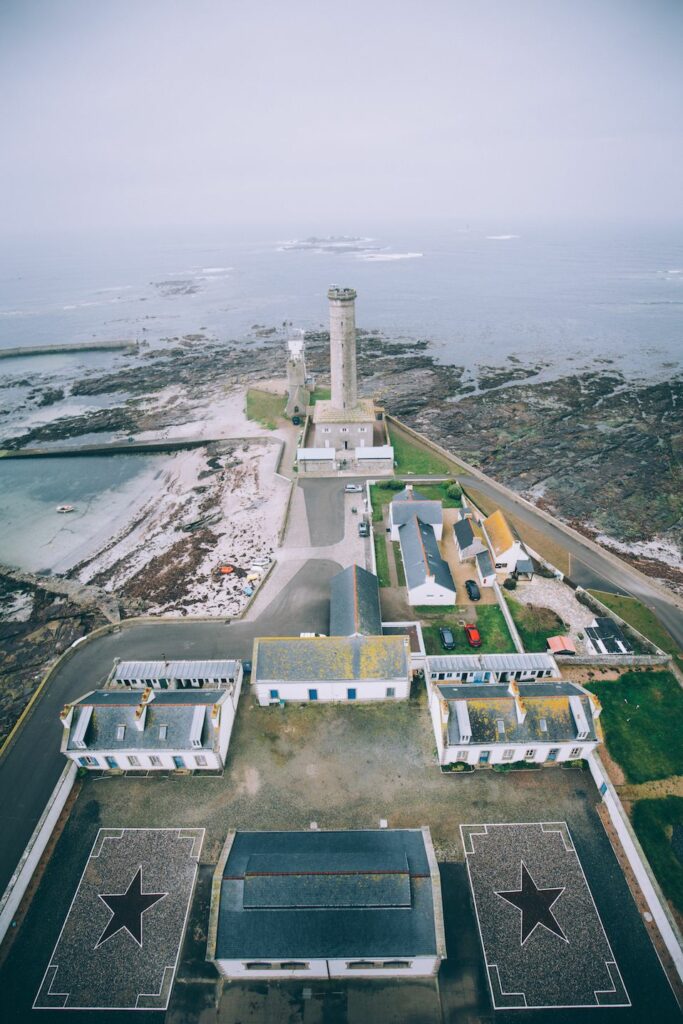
(80, 346)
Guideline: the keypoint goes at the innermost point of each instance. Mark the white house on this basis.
(507, 548)
(354, 603)
(331, 668)
(544, 723)
(151, 731)
(491, 668)
(315, 904)
(176, 675)
(428, 576)
(485, 570)
(468, 538)
(409, 503)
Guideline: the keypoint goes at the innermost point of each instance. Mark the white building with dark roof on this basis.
(485, 569)
(428, 575)
(542, 722)
(409, 503)
(468, 538)
(150, 731)
(177, 675)
(331, 668)
(346, 904)
(354, 603)
(491, 668)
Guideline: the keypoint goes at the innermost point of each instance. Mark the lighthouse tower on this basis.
(343, 347)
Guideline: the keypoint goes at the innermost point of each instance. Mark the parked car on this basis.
(473, 635)
(447, 638)
(354, 488)
(364, 529)
(472, 589)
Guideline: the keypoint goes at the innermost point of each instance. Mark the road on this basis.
(589, 568)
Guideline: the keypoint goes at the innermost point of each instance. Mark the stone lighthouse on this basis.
(343, 347)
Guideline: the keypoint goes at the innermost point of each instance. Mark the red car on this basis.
(473, 635)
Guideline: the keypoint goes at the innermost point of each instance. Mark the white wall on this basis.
(237, 969)
(332, 691)
(420, 966)
(507, 561)
(228, 713)
(213, 761)
(435, 712)
(474, 750)
(431, 593)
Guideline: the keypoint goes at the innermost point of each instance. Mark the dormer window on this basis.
(163, 732)
(120, 732)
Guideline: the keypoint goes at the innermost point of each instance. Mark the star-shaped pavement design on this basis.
(127, 909)
(535, 904)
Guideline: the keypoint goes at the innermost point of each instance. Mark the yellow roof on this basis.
(499, 532)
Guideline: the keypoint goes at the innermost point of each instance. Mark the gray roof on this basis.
(176, 670)
(404, 508)
(330, 658)
(303, 895)
(421, 555)
(354, 603)
(492, 663)
(524, 565)
(548, 719)
(607, 632)
(109, 709)
(484, 562)
(464, 534)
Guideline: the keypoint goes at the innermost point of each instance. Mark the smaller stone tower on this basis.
(343, 347)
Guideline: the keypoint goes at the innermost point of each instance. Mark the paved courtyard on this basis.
(343, 767)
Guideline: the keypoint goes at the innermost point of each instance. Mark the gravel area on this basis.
(561, 599)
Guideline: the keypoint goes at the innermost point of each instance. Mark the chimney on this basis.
(520, 707)
(215, 715)
(66, 715)
(596, 706)
(141, 714)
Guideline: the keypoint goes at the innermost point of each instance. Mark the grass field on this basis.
(265, 408)
(382, 560)
(411, 457)
(534, 624)
(641, 719)
(495, 636)
(381, 496)
(320, 395)
(654, 821)
(642, 619)
(398, 562)
(548, 549)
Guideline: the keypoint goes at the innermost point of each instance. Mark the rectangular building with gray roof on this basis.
(177, 675)
(361, 903)
(428, 575)
(354, 603)
(124, 730)
(491, 668)
(410, 504)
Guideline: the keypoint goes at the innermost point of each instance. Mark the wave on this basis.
(381, 257)
(500, 238)
(216, 270)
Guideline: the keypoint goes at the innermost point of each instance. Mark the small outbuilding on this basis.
(485, 570)
(468, 539)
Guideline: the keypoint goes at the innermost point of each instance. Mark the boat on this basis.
(65, 508)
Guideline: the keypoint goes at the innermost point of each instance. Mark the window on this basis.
(163, 732)
(256, 966)
(88, 762)
(274, 694)
(462, 755)
(391, 691)
(530, 753)
(500, 726)
(326, 430)
(396, 964)
(362, 430)
(343, 430)
(293, 965)
(178, 761)
(576, 752)
(508, 755)
(133, 761)
(544, 725)
(200, 760)
(441, 675)
(155, 761)
(351, 693)
(355, 965)
(120, 732)
(111, 762)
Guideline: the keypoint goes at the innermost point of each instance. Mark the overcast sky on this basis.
(252, 112)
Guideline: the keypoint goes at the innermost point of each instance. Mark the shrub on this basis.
(454, 490)
(510, 583)
(393, 485)
(458, 766)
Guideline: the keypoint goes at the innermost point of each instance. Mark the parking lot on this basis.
(342, 767)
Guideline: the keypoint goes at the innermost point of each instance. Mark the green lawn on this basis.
(411, 457)
(265, 408)
(495, 636)
(641, 719)
(654, 821)
(381, 496)
(320, 395)
(642, 619)
(382, 560)
(534, 624)
(398, 561)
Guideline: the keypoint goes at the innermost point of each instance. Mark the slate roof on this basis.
(175, 670)
(546, 704)
(304, 895)
(464, 534)
(354, 603)
(524, 565)
(173, 708)
(484, 562)
(421, 555)
(607, 633)
(330, 658)
(407, 504)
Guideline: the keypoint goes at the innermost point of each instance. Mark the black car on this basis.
(447, 638)
(472, 589)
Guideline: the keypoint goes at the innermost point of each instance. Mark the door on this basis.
(111, 762)
(484, 757)
(351, 693)
(552, 754)
(312, 694)
(178, 762)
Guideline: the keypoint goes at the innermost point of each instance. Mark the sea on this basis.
(564, 298)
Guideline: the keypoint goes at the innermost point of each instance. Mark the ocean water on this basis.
(566, 298)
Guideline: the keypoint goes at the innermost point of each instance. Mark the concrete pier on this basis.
(79, 346)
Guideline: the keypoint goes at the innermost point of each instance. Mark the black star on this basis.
(127, 909)
(536, 905)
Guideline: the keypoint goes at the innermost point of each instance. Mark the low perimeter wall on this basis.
(614, 660)
(23, 873)
(656, 902)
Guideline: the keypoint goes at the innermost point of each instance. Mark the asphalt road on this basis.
(589, 568)
(32, 766)
(325, 509)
